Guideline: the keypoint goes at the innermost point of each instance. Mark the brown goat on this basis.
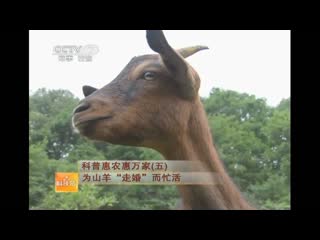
(154, 103)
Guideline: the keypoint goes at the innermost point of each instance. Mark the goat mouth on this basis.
(78, 123)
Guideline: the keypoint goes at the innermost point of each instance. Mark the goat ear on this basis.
(175, 63)
(87, 90)
(158, 43)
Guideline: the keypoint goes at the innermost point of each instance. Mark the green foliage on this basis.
(243, 107)
(119, 152)
(86, 199)
(254, 142)
(50, 118)
(252, 139)
(150, 154)
(85, 151)
(273, 193)
(38, 182)
(144, 197)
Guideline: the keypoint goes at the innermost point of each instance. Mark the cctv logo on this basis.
(66, 53)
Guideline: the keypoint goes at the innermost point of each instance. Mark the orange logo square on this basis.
(66, 182)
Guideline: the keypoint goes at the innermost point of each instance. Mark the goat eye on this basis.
(149, 75)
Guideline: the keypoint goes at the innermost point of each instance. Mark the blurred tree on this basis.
(85, 151)
(86, 199)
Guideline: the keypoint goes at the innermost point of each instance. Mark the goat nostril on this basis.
(82, 107)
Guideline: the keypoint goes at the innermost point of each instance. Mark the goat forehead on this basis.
(138, 60)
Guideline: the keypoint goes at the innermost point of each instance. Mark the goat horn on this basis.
(188, 51)
(175, 63)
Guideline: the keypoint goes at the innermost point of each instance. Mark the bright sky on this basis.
(254, 62)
